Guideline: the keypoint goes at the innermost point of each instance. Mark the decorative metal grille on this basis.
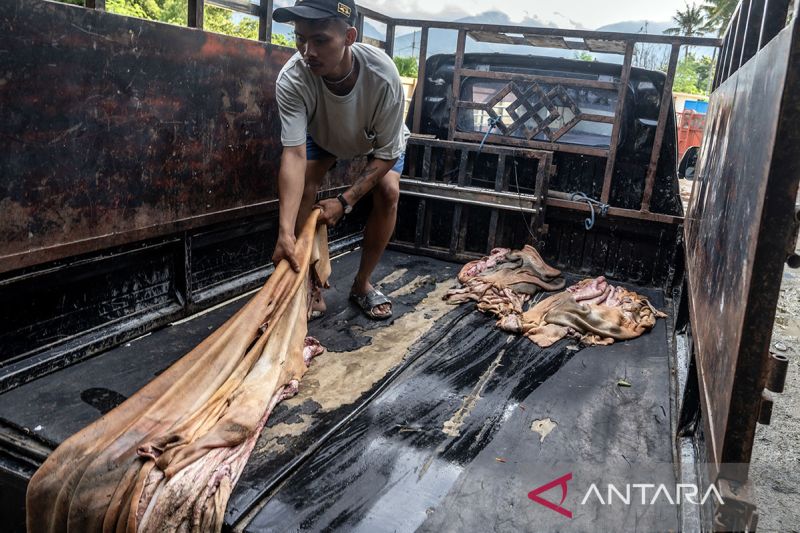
(526, 110)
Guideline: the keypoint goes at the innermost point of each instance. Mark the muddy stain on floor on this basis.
(411, 286)
(391, 278)
(340, 378)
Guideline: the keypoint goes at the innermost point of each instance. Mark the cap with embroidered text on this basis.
(317, 9)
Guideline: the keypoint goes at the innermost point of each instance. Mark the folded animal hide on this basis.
(168, 457)
(591, 310)
(502, 282)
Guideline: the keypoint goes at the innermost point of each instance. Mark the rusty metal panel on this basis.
(544, 41)
(118, 129)
(605, 45)
(737, 231)
(494, 37)
(595, 44)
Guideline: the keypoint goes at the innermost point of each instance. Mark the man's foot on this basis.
(373, 302)
(318, 306)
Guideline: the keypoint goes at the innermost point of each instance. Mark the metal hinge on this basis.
(777, 366)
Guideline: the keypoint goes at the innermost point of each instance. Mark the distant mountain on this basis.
(444, 41)
(637, 26)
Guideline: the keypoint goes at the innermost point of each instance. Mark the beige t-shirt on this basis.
(368, 120)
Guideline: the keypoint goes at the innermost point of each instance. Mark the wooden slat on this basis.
(622, 94)
(492, 37)
(566, 127)
(462, 167)
(498, 187)
(666, 97)
(196, 10)
(487, 148)
(552, 80)
(419, 233)
(426, 163)
(499, 139)
(545, 41)
(411, 157)
(556, 32)
(265, 22)
(457, 233)
(459, 62)
(389, 48)
(420, 90)
(554, 201)
(360, 26)
(608, 47)
(455, 228)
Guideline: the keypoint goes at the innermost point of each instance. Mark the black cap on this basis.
(317, 9)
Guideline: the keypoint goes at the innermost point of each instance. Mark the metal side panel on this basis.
(149, 130)
(738, 227)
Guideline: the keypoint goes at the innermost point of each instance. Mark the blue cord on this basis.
(494, 121)
(589, 222)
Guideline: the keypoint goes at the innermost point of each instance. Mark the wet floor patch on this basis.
(102, 399)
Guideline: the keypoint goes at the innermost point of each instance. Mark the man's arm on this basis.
(291, 182)
(332, 209)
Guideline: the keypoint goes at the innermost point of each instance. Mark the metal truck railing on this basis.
(534, 109)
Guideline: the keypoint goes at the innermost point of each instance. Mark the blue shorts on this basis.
(314, 152)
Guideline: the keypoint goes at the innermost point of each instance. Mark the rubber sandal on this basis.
(369, 301)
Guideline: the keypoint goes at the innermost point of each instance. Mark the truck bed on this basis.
(422, 422)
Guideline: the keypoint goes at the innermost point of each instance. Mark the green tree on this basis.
(583, 55)
(216, 19)
(220, 20)
(282, 40)
(689, 22)
(407, 66)
(143, 9)
(718, 14)
(693, 75)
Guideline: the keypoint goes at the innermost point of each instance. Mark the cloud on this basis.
(578, 14)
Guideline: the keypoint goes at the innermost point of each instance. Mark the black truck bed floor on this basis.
(422, 422)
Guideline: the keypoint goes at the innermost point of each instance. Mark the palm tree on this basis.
(718, 13)
(690, 23)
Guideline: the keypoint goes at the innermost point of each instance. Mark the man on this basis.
(339, 99)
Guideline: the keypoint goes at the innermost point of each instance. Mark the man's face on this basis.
(322, 44)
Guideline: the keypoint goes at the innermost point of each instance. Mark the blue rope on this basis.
(494, 121)
(589, 222)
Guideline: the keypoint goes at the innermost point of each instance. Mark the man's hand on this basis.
(332, 211)
(284, 249)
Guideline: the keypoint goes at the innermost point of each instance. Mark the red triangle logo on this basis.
(559, 482)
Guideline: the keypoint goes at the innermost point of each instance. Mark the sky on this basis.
(579, 14)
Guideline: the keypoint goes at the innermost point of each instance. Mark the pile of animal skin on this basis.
(168, 457)
(592, 310)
